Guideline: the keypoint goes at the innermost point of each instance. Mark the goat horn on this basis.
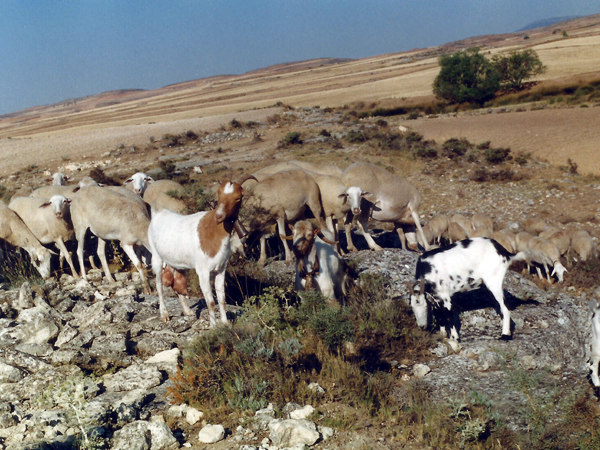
(245, 178)
(327, 241)
(410, 287)
(422, 287)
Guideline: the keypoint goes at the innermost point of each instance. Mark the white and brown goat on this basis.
(199, 241)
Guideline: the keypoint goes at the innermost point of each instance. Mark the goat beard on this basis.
(302, 248)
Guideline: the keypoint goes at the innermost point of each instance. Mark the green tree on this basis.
(518, 67)
(466, 76)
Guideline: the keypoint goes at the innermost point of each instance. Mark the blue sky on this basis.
(53, 50)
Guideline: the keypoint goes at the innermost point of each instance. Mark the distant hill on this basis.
(546, 22)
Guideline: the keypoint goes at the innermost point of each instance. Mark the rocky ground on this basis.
(54, 338)
(97, 357)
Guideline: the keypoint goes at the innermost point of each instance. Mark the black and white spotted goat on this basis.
(462, 266)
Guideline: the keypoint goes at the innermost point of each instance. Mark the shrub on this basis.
(466, 76)
(496, 155)
(291, 138)
(454, 148)
(356, 136)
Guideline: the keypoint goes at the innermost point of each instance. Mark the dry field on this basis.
(89, 127)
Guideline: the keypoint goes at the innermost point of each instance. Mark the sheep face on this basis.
(59, 179)
(60, 205)
(354, 196)
(140, 182)
(41, 261)
(558, 270)
(230, 200)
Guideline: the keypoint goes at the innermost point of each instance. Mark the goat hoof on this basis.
(506, 337)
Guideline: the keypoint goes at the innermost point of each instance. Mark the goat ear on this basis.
(291, 227)
(593, 305)
(316, 231)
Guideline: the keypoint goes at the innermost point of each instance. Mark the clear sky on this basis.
(53, 50)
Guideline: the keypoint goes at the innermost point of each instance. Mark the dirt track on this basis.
(552, 134)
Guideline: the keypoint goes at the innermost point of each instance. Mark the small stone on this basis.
(211, 434)
(420, 370)
(302, 413)
(193, 416)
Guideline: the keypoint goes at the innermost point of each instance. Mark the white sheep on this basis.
(138, 182)
(455, 232)
(481, 220)
(49, 220)
(461, 267)
(109, 215)
(60, 179)
(14, 231)
(282, 198)
(438, 226)
(582, 244)
(545, 253)
(463, 221)
(200, 241)
(157, 195)
(317, 263)
(506, 239)
(594, 307)
(534, 225)
(393, 199)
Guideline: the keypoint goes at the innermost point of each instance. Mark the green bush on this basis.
(455, 148)
(466, 76)
(496, 155)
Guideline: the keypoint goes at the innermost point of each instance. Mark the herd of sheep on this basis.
(153, 231)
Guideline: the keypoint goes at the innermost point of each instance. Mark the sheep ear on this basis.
(43, 205)
(128, 180)
(345, 197)
(366, 195)
(593, 305)
(149, 179)
(68, 200)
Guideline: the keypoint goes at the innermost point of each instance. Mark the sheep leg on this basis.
(220, 289)
(80, 241)
(363, 228)
(263, 252)
(157, 268)
(129, 250)
(101, 252)
(204, 279)
(547, 273)
(417, 221)
(334, 231)
(281, 228)
(64, 253)
(348, 230)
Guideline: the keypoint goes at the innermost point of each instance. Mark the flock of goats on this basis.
(152, 230)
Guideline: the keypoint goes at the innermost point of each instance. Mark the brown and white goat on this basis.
(318, 265)
(199, 241)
